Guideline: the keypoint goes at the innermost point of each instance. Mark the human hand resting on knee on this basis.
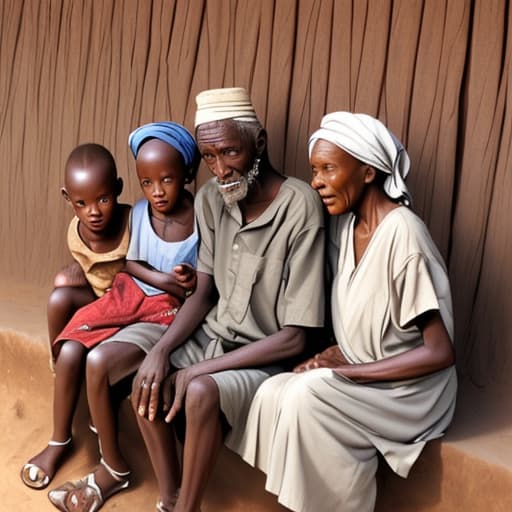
(174, 390)
(148, 381)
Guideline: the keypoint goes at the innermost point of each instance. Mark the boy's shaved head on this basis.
(90, 158)
(91, 187)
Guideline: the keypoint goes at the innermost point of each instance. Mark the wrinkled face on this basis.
(161, 172)
(338, 177)
(92, 191)
(228, 156)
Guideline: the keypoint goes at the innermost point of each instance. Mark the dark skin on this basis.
(159, 387)
(91, 188)
(161, 173)
(347, 185)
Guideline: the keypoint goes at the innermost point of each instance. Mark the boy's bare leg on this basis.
(203, 440)
(71, 292)
(69, 370)
(62, 305)
(108, 365)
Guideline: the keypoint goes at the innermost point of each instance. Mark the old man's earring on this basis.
(252, 175)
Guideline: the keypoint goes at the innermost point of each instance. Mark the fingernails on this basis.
(141, 411)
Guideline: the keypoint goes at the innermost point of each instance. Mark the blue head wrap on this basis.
(173, 134)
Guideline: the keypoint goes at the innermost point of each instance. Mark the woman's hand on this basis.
(148, 381)
(331, 357)
(435, 354)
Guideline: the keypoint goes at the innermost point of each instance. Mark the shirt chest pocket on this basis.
(249, 269)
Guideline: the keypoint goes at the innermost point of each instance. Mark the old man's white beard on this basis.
(234, 191)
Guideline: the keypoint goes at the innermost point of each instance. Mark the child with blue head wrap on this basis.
(173, 134)
(131, 318)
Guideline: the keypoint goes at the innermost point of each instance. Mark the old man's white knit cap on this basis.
(227, 103)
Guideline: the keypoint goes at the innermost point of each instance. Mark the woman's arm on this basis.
(177, 282)
(435, 354)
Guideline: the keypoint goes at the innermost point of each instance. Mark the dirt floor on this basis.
(25, 422)
(469, 470)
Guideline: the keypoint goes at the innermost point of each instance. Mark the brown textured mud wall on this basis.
(437, 72)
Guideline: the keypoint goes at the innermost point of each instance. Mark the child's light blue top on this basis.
(146, 245)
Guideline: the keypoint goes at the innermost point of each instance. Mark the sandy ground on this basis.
(470, 470)
(25, 422)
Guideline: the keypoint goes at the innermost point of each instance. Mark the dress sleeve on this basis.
(415, 290)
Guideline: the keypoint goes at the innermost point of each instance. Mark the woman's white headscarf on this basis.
(368, 140)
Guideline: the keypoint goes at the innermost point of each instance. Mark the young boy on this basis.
(124, 324)
(97, 236)
(98, 239)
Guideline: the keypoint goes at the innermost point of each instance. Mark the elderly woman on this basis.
(391, 387)
(259, 288)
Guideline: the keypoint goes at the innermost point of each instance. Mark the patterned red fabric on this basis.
(124, 304)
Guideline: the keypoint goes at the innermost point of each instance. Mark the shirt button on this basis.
(235, 247)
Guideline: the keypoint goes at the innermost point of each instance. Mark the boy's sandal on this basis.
(92, 428)
(160, 507)
(85, 495)
(35, 477)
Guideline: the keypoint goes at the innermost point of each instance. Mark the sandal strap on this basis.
(59, 443)
(116, 475)
(160, 507)
(90, 480)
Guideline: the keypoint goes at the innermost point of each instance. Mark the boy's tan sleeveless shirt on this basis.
(99, 268)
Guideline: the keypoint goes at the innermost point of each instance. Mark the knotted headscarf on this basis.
(227, 103)
(173, 134)
(368, 140)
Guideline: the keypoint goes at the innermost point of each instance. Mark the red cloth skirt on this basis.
(124, 304)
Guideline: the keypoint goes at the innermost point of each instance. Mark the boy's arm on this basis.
(180, 282)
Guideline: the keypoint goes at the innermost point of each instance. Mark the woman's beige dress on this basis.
(316, 434)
